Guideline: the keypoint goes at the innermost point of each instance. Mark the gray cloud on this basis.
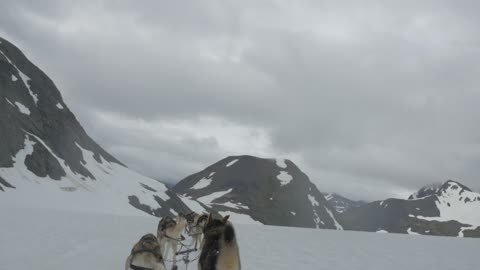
(370, 99)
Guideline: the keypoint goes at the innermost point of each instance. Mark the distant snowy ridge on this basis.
(447, 209)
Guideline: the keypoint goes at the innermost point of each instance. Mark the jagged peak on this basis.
(454, 185)
(438, 189)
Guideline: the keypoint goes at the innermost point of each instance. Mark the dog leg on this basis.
(174, 249)
(167, 249)
(159, 266)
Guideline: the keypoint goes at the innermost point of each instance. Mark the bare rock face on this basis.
(269, 191)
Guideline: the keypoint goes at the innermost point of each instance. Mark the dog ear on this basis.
(210, 218)
(225, 218)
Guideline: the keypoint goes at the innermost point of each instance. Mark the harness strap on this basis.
(173, 238)
(134, 267)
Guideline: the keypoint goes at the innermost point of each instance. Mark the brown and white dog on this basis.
(195, 224)
(169, 233)
(145, 255)
(219, 247)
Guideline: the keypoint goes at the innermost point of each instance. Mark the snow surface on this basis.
(281, 163)
(22, 108)
(231, 163)
(329, 196)
(60, 106)
(59, 240)
(107, 194)
(284, 178)
(202, 183)
(14, 78)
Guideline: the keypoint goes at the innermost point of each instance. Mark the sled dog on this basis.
(219, 246)
(169, 233)
(195, 225)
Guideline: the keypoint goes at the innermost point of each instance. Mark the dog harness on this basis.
(148, 244)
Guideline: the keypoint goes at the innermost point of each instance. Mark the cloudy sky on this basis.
(370, 99)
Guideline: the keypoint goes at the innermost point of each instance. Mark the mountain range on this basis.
(449, 209)
(47, 160)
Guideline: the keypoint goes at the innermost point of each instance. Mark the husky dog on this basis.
(145, 255)
(195, 225)
(219, 246)
(169, 233)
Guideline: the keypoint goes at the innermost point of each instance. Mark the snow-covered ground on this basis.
(56, 239)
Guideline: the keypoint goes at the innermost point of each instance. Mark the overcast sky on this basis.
(371, 99)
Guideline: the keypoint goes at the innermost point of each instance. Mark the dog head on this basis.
(181, 219)
(215, 226)
(191, 217)
(148, 243)
(201, 220)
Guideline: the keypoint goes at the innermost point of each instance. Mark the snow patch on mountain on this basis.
(281, 163)
(316, 217)
(284, 178)
(59, 106)
(9, 102)
(313, 200)
(202, 183)
(14, 78)
(409, 231)
(22, 108)
(231, 162)
(229, 204)
(213, 196)
(337, 225)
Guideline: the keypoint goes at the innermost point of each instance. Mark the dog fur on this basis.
(145, 255)
(172, 230)
(219, 247)
(195, 225)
